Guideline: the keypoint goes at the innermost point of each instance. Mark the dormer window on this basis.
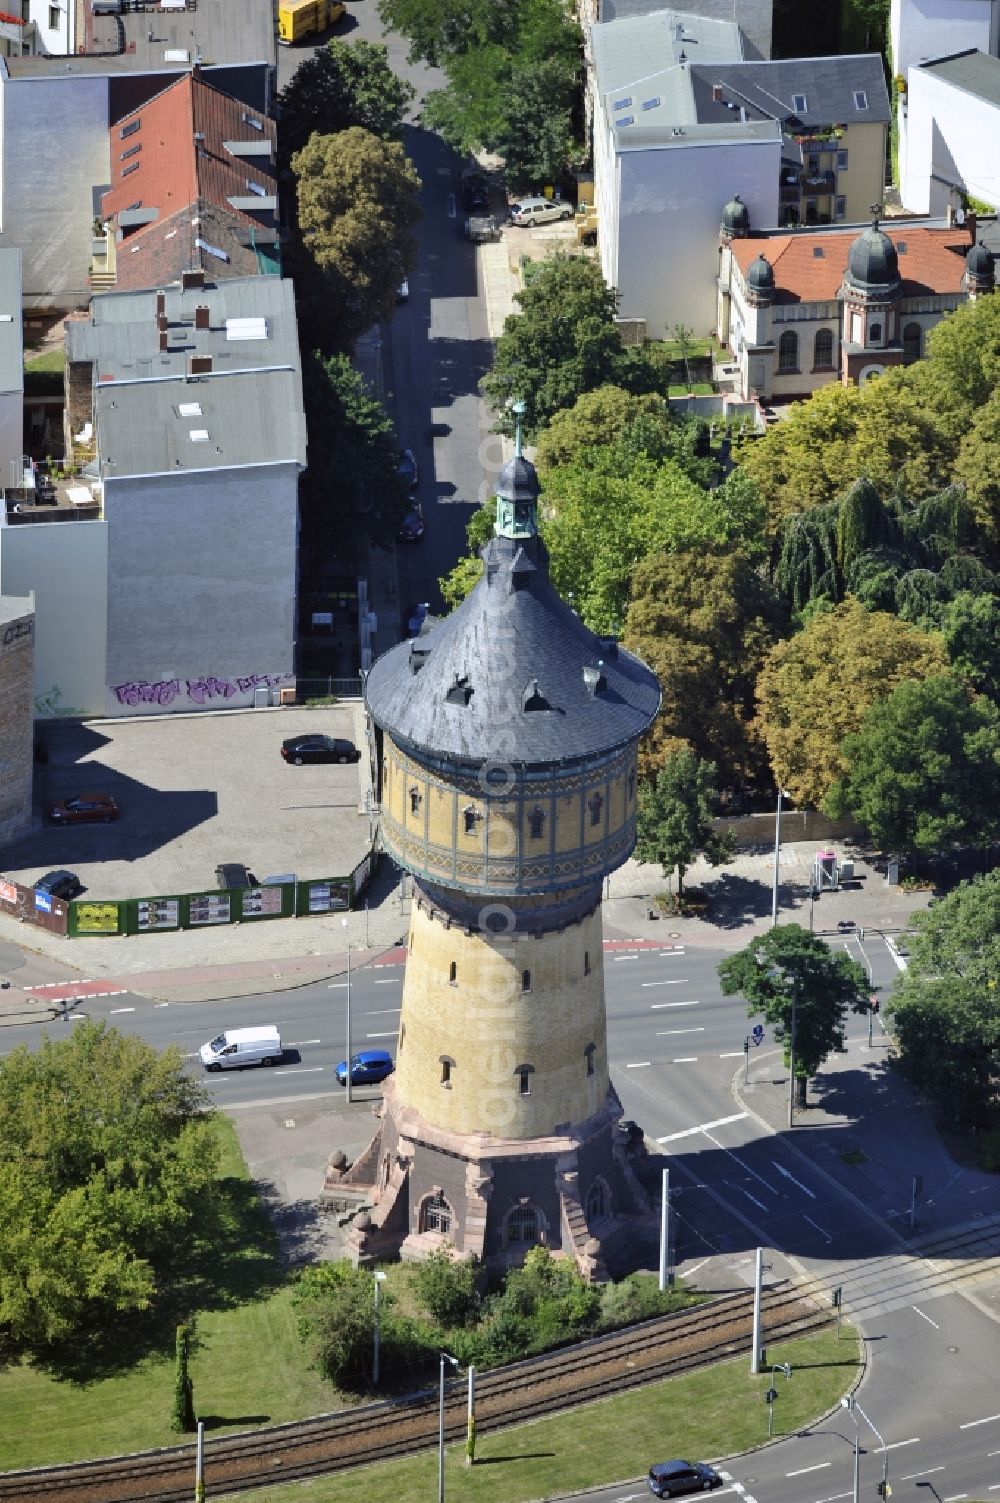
(799, 104)
(533, 698)
(860, 99)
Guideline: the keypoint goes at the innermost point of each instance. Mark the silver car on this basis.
(532, 211)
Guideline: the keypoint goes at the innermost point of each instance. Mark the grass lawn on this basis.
(51, 360)
(719, 1411)
(249, 1368)
(697, 389)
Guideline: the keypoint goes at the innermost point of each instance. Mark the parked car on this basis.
(412, 527)
(59, 884)
(669, 1479)
(407, 469)
(367, 1067)
(233, 874)
(475, 190)
(299, 749)
(532, 211)
(84, 809)
(480, 228)
(415, 618)
(403, 291)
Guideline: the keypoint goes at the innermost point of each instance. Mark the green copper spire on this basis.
(517, 491)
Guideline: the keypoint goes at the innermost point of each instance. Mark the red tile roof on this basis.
(932, 262)
(170, 155)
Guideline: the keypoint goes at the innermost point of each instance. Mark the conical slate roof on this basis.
(872, 260)
(512, 675)
(518, 480)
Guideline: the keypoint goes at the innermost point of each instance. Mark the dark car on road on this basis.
(475, 190)
(84, 809)
(59, 884)
(368, 1067)
(299, 749)
(412, 527)
(407, 469)
(234, 874)
(669, 1479)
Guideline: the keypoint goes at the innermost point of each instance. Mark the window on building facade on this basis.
(435, 1214)
(522, 1225)
(453, 973)
(524, 1074)
(589, 1053)
(446, 1068)
(55, 17)
(595, 804)
(875, 334)
(526, 981)
(470, 816)
(586, 962)
(536, 823)
(788, 351)
(840, 207)
(912, 342)
(823, 349)
(597, 1200)
(414, 800)
(841, 161)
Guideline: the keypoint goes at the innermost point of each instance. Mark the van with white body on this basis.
(237, 1047)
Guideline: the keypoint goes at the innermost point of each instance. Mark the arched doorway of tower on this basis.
(598, 1203)
(523, 1227)
(436, 1214)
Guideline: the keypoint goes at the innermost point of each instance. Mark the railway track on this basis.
(657, 1349)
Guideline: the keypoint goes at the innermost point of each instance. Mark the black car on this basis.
(59, 884)
(412, 527)
(299, 749)
(407, 470)
(668, 1479)
(475, 190)
(233, 874)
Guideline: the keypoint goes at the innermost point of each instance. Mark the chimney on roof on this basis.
(201, 316)
(161, 304)
(199, 365)
(717, 93)
(193, 278)
(161, 322)
(678, 30)
(164, 340)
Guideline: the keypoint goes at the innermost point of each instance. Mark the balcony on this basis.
(819, 184)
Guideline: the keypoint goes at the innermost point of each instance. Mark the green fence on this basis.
(210, 909)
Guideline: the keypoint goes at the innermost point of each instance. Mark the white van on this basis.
(242, 1046)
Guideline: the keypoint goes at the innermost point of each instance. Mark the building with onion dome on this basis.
(506, 744)
(801, 308)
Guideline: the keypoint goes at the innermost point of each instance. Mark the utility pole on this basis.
(777, 860)
(758, 1281)
(791, 1056)
(665, 1230)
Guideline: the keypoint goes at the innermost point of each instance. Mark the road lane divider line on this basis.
(689, 1132)
(304, 1070)
(817, 1226)
(662, 1033)
(383, 1012)
(642, 1064)
(685, 1059)
(301, 1043)
(988, 1420)
(674, 981)
(736, 1054)
(819, 1467)
(896, 1445)
(390, 1035)
(927, 1318)
(114, 1011)
(928, 1473)
(659, 1006)
(797, 1182)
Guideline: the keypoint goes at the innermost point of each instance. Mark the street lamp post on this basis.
(777, 858)
(847, 1403)
(454, 1362)
(791, 1056)
(850, 1403)
(348, 1060)
(377, 1337)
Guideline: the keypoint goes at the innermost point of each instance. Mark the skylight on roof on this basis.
(623, 104)
(246, 328)
(800, 103)
(818, 252)
(256, 124)
(860, 99)
(132, 167)
(199, 435)
(627, 120)
(130, 152)
(651, 104)
(189, 409)
(257, 188)
(213, 250)
(901, 247)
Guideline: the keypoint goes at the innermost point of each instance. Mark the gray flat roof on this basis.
(733, 133)
(154, 416)
(211, 32)
(640, 47)
(973, 72)
(11, 352)
(12, 607)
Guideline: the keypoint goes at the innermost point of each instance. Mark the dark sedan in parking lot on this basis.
(84, 809)
(300, 749)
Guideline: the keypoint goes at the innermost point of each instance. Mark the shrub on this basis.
(446, 1288)
(336, 1316)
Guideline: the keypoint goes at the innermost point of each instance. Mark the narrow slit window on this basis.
(526, 981)
(453, 974)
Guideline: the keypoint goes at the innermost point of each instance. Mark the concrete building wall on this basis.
(951, 140)
(55, 132)
(17, 654)
(922, 29)
(668, 231)
(467, 1025)
(201, 588)
(65, 565)
(55, 21)
(862, 183)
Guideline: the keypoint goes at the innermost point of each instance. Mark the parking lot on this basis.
(194, 791)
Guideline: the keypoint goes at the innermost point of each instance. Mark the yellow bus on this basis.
(299, 19)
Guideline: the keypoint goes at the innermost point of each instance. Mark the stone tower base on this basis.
(494, 1198)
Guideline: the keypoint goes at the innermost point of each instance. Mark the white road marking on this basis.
(988, 1420)
(301, 1043)
(737, 1054)
(798, 1183)
(162, 1004)
(929, 1473)
(896, 1444)
(937, 1328)
(659, 1006)
(689, 1132)
(749, 1196)
(390, 1035)
(114, 1011)
(685, 1059)
(642, 1064)
(452, 208)
(992, 1486)
(333, 985)
(955, 1498)
(386, 980)
(690, 1272)
(624, 957)
(817, 1226)
(803, 1470)
(745, 1167)
(836, 1498)
(663, 1033)
(674, 981)
(993, 1453)
(307, 1070)
(383, 1012)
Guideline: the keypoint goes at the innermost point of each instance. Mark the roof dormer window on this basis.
(800, 104)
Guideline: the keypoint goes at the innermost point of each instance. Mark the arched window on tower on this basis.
(589, 1053)
(536, 823)
(595, 805)
(523, 1227)
(912, 343)
(788, 351)
(415, 800)
(436, 1214)
(598, 1201)
(875, 334)
(524, 1074)
(469, 816)
(823, 349)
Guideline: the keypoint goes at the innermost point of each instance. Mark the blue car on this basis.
(367, 1067)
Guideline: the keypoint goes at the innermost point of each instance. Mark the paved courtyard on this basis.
(193, 791)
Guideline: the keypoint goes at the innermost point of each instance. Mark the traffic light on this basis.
(884, 1490)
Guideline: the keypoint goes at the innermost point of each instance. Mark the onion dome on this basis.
(979, 264)
(736, 217)
(872, 263)
(760, 275)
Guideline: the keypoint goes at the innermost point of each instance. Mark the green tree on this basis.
(357, 204)
(923, 769)
(107, 1158)
(675, 817)
(442, 29)
(963, 355)
(970, 626)
(597, 418)
(977, 466)
(351, 489)
(535, 135)
(467, 573)
(338, 86)
(703, 620)
(182, 1415)
(446, 1288)
(805, 460)
(814, 689)
(335, 1306)
(788, 967)
(945, 1007)
(562, 343)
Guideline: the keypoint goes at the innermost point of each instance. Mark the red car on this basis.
(84, 809)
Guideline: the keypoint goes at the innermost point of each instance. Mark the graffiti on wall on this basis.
(50, 705)
(198, 691)
(18, 631)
